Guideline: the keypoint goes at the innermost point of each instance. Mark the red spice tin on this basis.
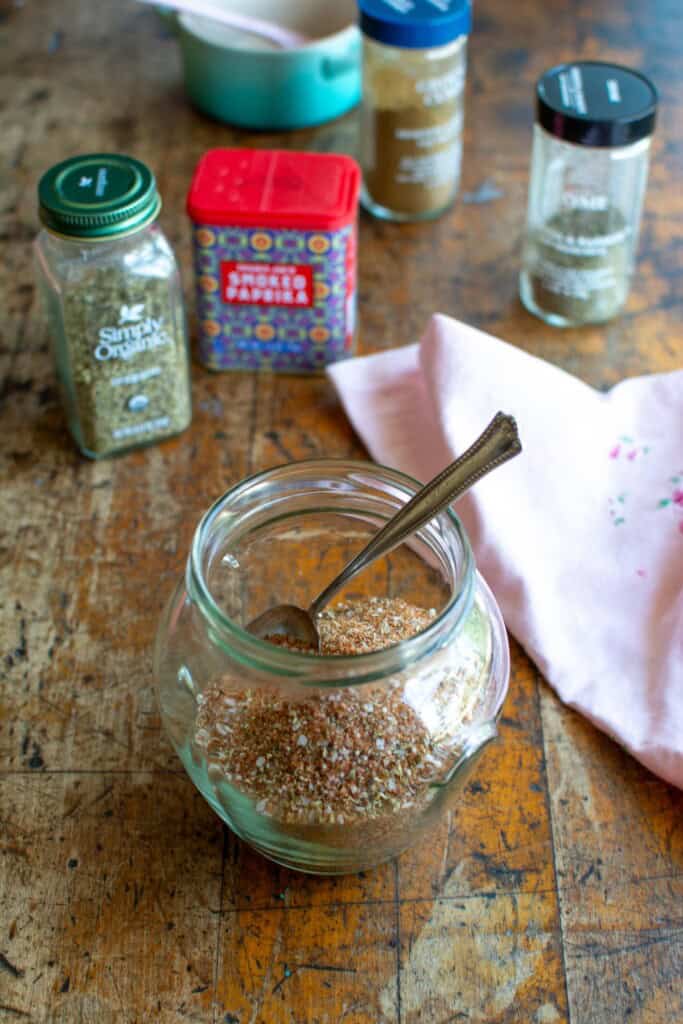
(275, 258)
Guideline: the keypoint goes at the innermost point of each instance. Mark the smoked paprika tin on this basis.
(275, 239)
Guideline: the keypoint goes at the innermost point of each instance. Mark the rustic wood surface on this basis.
(555, 892)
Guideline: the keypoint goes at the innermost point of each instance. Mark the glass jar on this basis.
(588, 175)
(328, 763)
(114, 301)
(414, 64)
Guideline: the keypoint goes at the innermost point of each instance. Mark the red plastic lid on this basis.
(274, 188)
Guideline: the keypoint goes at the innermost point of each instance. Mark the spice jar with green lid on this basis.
(414, 63)
(588, 175)
(114, 302)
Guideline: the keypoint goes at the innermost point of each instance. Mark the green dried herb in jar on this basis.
(114, 303)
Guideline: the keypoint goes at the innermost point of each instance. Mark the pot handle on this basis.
(334, 67)
(343, 64)
(474, 746)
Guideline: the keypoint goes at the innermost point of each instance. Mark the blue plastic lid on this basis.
(415, 24)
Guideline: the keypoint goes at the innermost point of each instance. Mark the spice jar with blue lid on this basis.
(414, 65)
(114, 301)
(589, 169)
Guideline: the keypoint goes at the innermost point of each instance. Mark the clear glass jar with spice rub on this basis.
(414, 64)
(330, 762)
(588, 174)
(114, 302)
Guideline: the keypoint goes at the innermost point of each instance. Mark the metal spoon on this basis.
(499, 442)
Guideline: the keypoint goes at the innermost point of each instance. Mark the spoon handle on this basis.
(499, 442)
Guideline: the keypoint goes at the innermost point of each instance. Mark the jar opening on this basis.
(282, 535)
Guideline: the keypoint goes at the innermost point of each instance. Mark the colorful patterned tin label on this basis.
(278, 299)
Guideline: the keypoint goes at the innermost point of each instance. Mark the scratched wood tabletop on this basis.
(555, 892)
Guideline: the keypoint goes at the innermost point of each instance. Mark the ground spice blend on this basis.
(414, 63)
(580, 265)
(114, 303)
(357, 758)
(275, 258)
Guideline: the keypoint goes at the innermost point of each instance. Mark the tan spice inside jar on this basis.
(356, 757)
(412, 120)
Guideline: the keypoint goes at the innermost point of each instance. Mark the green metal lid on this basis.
(99, 195)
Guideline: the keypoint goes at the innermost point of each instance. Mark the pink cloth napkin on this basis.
(580, 537)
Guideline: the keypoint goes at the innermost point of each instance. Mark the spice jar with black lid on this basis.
(588, 176)
(114, 302)
(414, 64)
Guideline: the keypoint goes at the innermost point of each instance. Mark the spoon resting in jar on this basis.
(498, 443)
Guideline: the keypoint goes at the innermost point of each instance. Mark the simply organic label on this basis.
(133, 334)
(266, 284)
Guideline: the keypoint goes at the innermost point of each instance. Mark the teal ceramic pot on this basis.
(266, 88)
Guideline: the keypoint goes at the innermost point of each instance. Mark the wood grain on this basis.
(554, 891)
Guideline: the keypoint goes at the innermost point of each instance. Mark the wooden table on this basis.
(554, 894)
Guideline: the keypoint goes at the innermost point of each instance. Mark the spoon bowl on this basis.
(288, 621)
(496, 445)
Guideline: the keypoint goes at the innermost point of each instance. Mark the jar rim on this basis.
(331, 669)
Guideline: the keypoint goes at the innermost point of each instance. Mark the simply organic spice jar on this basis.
(414, 64)
(588, 174)
(329, 763)
(275, 258)
(114, 302)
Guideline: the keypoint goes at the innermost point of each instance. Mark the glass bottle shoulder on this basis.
(409, 57)
(144, 253)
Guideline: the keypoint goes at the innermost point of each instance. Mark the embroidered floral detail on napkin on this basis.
(581, 537)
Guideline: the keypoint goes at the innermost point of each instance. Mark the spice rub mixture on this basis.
(361, 627)
(339, 757)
